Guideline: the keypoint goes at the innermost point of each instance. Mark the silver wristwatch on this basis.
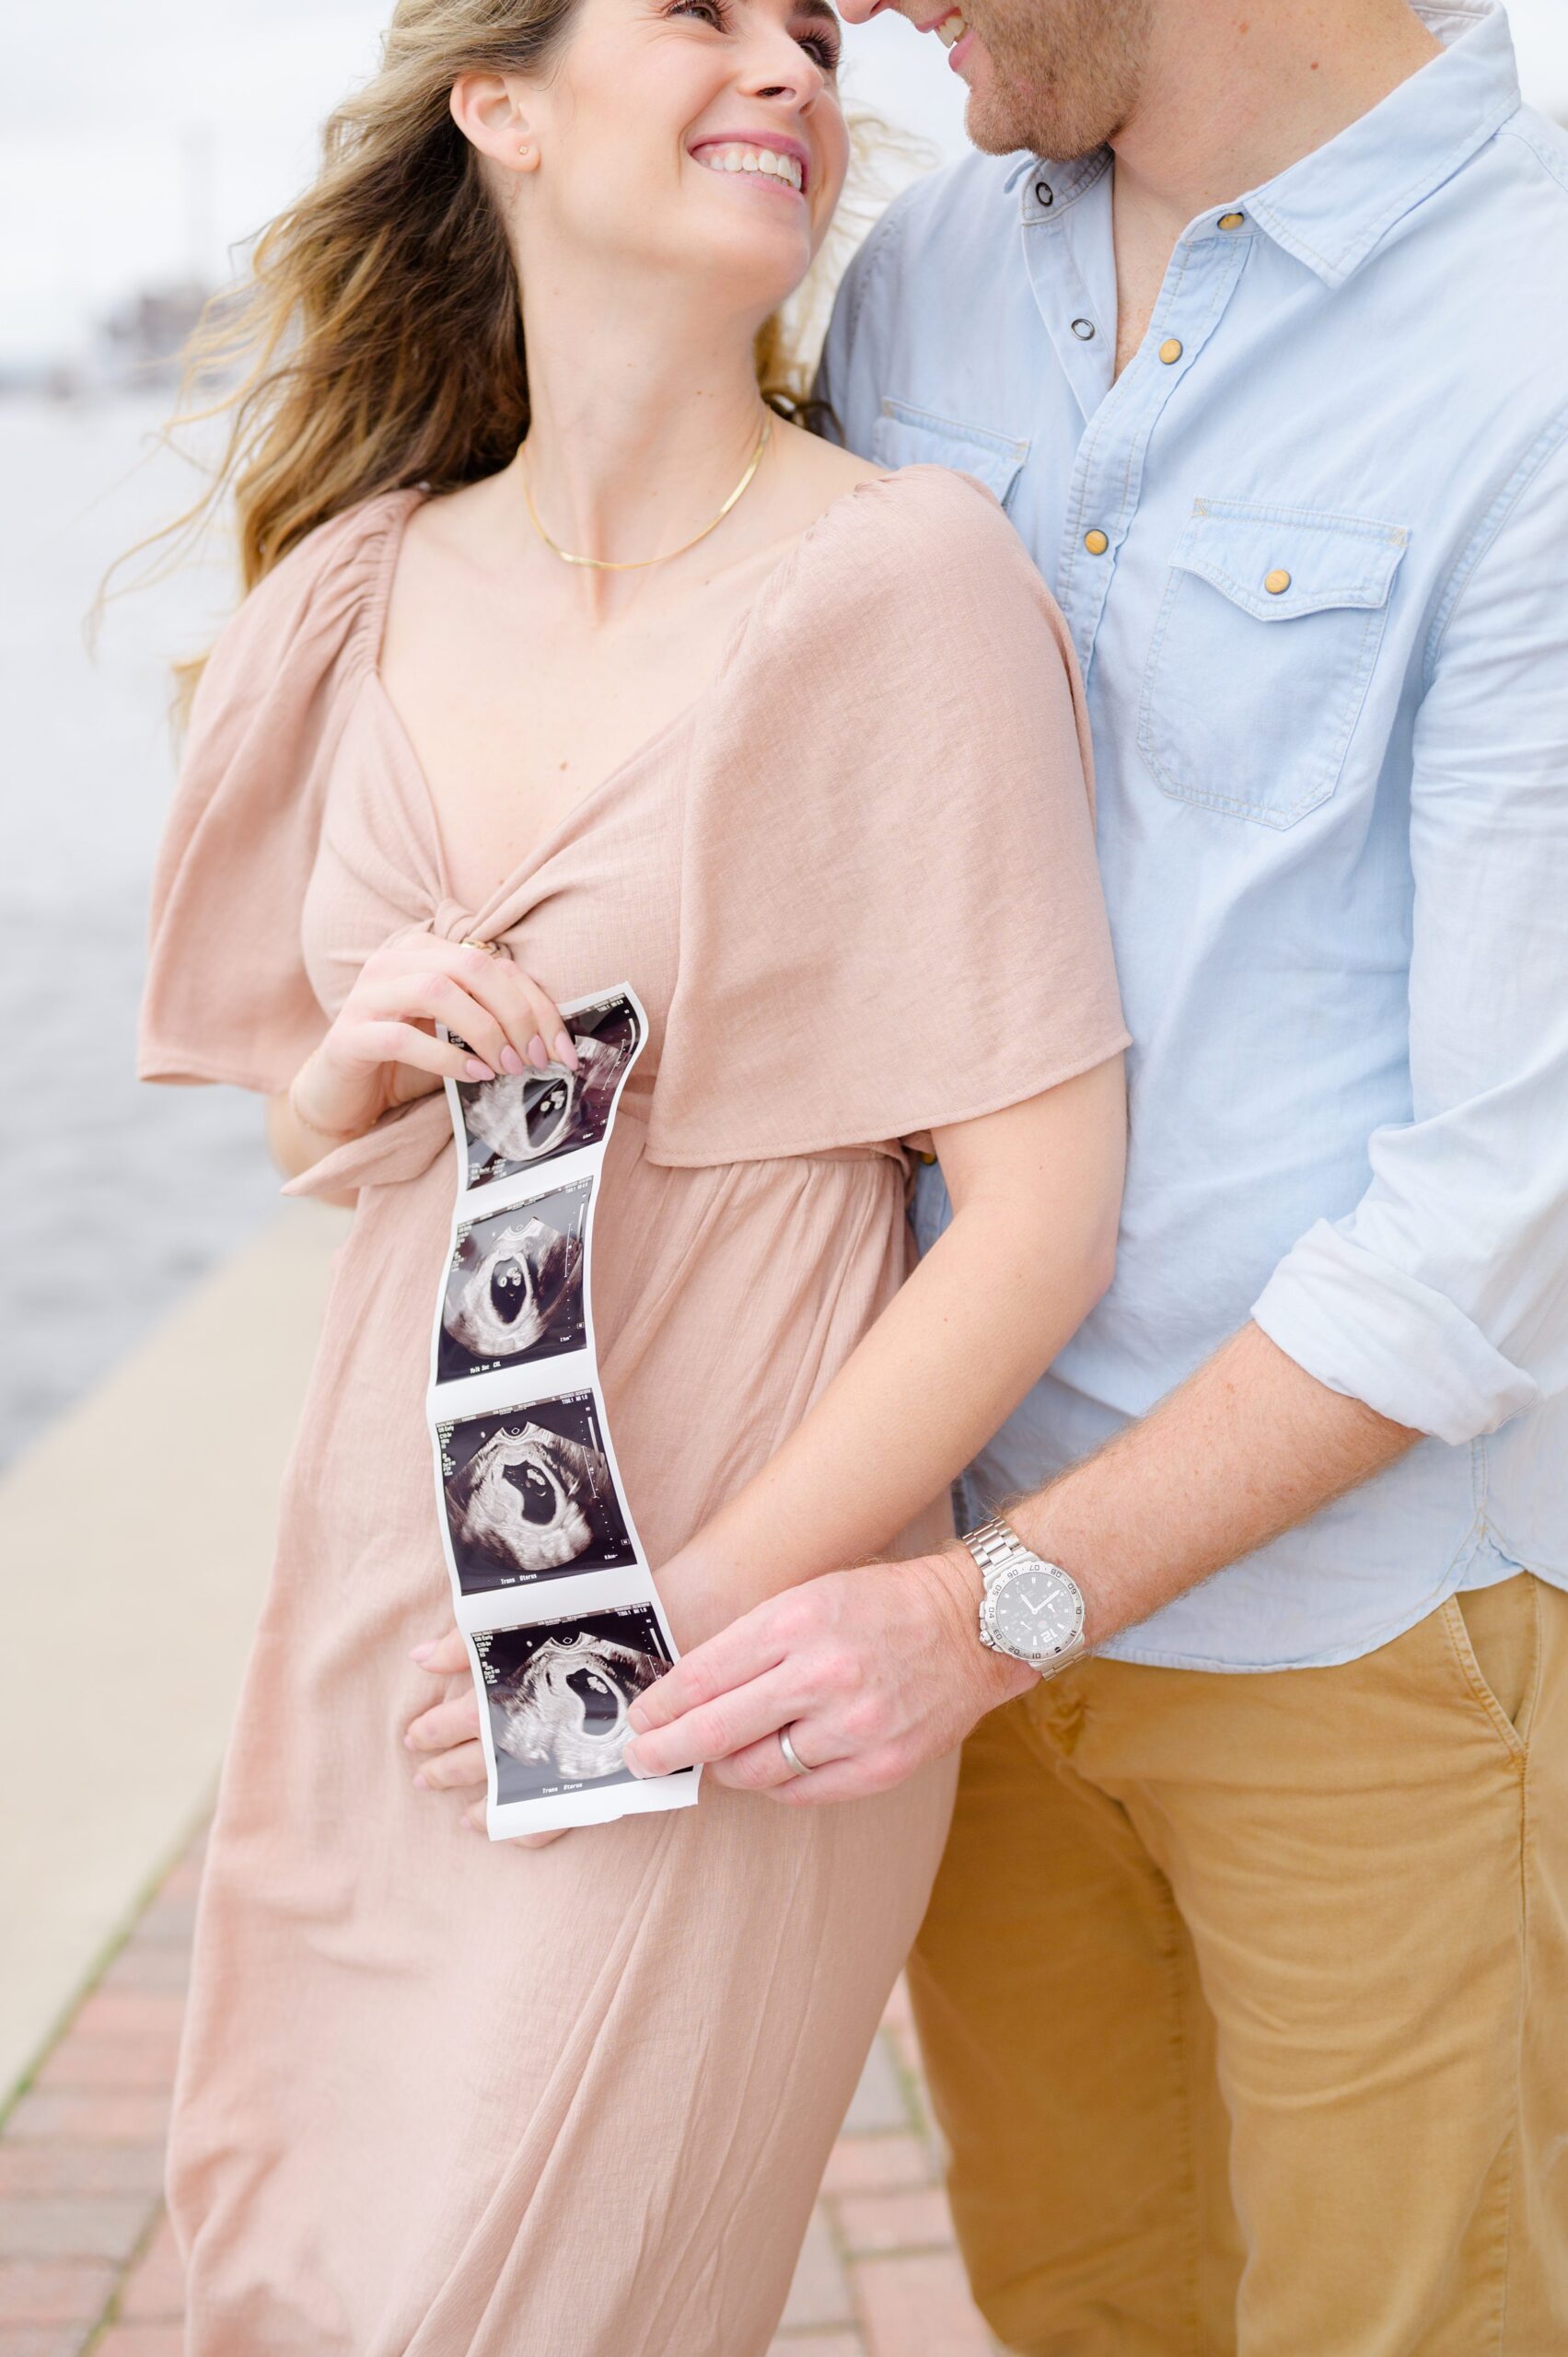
(1031, 1609)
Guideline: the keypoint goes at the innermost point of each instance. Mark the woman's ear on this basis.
(490, 113)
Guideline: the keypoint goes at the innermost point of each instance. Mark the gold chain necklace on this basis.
(637, 564)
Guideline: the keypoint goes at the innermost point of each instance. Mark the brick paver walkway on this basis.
(87, 2263)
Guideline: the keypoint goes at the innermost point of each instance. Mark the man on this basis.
(1243, 1985)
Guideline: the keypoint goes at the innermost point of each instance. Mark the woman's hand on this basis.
(874, 1673)
(382, 1050)
(446, 1733)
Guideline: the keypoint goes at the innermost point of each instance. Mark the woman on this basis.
(809, 772)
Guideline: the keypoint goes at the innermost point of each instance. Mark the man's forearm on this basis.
(1246, 1448)
(878, 1670)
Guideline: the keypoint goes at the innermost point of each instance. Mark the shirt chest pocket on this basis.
(904, 437)
(1261, 656)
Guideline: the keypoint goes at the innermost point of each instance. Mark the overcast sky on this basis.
(137, 140)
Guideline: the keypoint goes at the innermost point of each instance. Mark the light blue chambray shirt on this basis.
(1326, 647)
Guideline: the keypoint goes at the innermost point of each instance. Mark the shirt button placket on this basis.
(1119, 431)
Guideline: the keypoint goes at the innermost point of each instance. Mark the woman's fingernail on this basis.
(628, 1763)
(538, 1055)
(638, 1717)
(419, 1784)
(510, 1060)
(566, 1054)
(476, 1071)
(422, 1653)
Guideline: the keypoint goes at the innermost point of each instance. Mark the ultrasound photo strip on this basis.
(521, 1122)
(549, 1581)
(557, 1696)
(529, 1493)
(517, 1287)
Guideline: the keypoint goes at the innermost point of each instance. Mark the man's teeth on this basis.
(754, 159)
(952, 28)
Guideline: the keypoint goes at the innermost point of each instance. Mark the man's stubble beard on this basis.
(1064, 74)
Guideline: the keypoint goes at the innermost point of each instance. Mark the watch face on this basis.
(1034, 1610)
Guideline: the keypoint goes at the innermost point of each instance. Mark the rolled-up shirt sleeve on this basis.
(1442, 1299)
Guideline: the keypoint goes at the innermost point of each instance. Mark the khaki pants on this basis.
(1245, 2000)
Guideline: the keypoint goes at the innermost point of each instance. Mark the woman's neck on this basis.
(639, 433)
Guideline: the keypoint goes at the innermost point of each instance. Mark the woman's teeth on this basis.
(952, 28)
(754, 159)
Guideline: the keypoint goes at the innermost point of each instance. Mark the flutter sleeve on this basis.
(892, 915)
(226, 995)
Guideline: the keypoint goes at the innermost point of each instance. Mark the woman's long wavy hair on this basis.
(378, 339)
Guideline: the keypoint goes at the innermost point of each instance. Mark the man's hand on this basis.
(877, 1670)
(874, 1672)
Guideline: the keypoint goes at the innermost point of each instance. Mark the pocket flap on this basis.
(904, 437)
(1277, 563)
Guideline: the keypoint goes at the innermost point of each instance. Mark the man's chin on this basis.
(991, 123)
(1000, 118)
(990, 129)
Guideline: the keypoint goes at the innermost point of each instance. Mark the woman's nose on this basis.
(860, 12)
(781, 69)
(801, 82)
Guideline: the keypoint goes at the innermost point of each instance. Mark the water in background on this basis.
(113, 1196)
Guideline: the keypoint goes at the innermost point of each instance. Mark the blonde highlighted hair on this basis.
(377, 340)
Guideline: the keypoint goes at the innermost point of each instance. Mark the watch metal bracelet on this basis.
(994, 1544)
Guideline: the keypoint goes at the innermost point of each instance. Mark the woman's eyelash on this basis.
(822, 46)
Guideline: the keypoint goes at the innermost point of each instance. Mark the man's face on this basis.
(1059, 77)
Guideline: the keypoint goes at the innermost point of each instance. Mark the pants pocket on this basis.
(1495, 1632)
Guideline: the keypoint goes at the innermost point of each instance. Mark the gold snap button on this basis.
(1096, 543)
(1276, 583)
(1170, 350)
(1232, 220)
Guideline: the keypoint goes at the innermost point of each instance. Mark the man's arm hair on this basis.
(1242, 1451)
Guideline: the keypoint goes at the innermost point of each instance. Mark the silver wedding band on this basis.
(793, 1759)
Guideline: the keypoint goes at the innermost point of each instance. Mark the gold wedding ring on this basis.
(491, 949)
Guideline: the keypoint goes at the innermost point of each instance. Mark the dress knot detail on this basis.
(453, 922)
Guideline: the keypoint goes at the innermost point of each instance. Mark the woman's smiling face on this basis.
(699, 136)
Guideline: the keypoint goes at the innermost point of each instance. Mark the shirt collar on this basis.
(1333, 208)
(1050, 189)
(1337, 203)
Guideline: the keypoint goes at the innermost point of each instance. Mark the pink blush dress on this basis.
(445, 2099)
